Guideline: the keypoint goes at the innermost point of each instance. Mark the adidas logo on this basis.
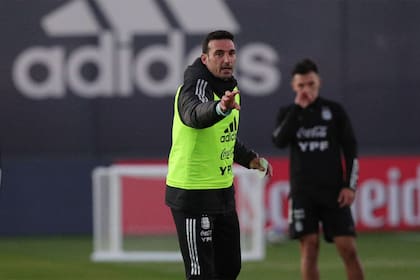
(230, 132)
(126, 58)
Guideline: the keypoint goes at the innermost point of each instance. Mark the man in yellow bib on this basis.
(199, 183)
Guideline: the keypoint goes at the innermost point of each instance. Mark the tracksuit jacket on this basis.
(198, 114)
(318, 137)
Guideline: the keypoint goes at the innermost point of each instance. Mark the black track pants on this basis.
(210, 244)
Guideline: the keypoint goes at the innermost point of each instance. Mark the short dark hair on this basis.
(305, 66)
(216, 35)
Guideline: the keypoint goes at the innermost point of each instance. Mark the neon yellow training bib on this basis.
(202, 158)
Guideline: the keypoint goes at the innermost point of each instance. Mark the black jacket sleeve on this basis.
(349, 148)
(243, 155)
(196, 104)
(286, 126)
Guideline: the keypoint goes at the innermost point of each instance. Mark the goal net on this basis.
(132, 223)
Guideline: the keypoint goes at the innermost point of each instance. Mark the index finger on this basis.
(231, 93)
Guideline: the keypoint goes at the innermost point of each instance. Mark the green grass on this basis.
(384, 256)
(150, 243)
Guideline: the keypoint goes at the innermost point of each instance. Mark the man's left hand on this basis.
(346, 197)
(255, 163)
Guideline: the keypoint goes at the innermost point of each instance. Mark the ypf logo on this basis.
(120, 69)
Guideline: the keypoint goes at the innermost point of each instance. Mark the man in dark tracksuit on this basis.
(204, 146)
(318, 133)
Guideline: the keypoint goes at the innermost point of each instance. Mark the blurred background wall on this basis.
(90, 82)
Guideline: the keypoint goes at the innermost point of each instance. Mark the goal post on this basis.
(129, 214)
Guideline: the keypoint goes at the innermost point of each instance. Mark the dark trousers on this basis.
(210, 244)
